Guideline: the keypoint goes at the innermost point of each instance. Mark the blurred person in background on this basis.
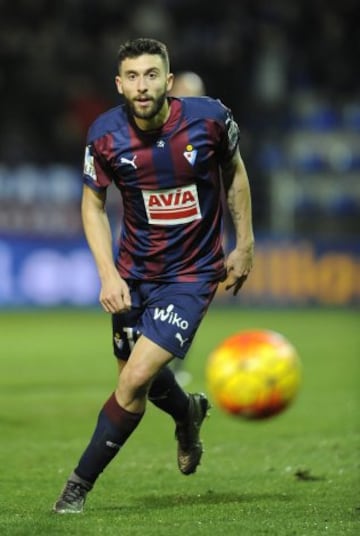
(187, 84)
(168, 157)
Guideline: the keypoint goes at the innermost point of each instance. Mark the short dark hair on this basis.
(143, 45)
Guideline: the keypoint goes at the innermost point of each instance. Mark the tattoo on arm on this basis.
(232, 195)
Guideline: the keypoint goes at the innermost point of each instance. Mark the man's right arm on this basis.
(114, 294)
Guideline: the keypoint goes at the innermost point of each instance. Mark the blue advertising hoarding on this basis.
(46, 272)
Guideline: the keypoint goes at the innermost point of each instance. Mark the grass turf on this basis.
(295, 474)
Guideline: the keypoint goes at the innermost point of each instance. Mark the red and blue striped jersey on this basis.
(170, 184)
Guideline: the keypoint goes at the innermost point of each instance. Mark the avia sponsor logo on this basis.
(172, 206)
(170, 316)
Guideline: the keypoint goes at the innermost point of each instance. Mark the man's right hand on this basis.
(115, 294)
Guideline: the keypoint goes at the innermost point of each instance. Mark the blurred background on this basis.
(289, 72)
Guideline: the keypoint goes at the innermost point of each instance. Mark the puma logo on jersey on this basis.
(173, 206)
(124, 160)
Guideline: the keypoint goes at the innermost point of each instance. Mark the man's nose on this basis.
(142, 85)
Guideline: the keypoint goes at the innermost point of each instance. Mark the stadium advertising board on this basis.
(44, 272)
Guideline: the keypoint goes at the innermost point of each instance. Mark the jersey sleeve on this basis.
(230, 135)
(94, 172)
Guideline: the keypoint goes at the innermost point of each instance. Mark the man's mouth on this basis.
(143, 100)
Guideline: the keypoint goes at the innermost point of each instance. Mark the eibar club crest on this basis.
(190, 154)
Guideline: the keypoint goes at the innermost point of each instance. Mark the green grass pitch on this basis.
(295, 474)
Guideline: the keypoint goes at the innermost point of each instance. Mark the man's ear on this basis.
(170, 81)
(118, 84)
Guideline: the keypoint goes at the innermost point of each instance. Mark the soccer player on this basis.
(168, 157)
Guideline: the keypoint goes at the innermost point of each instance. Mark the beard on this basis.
(154, 107)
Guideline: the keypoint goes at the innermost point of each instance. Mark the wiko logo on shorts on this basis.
(173, 206)
(171, 317)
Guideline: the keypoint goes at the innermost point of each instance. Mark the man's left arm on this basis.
(238, 196)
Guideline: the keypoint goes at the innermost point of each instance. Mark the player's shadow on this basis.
(209, 497)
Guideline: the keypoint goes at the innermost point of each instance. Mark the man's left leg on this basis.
(176, 313)
(188, 411)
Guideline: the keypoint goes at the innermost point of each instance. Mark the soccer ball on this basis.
(254, 374)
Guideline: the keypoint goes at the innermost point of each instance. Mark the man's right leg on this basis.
(114, 426)
(117, 420)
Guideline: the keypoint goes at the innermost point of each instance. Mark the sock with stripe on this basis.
(114, 426)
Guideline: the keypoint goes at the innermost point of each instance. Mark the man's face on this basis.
(144, 82)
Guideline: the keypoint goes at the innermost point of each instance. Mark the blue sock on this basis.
(166, 394)
(114, 426)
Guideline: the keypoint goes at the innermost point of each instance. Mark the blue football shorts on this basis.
(168, 314)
